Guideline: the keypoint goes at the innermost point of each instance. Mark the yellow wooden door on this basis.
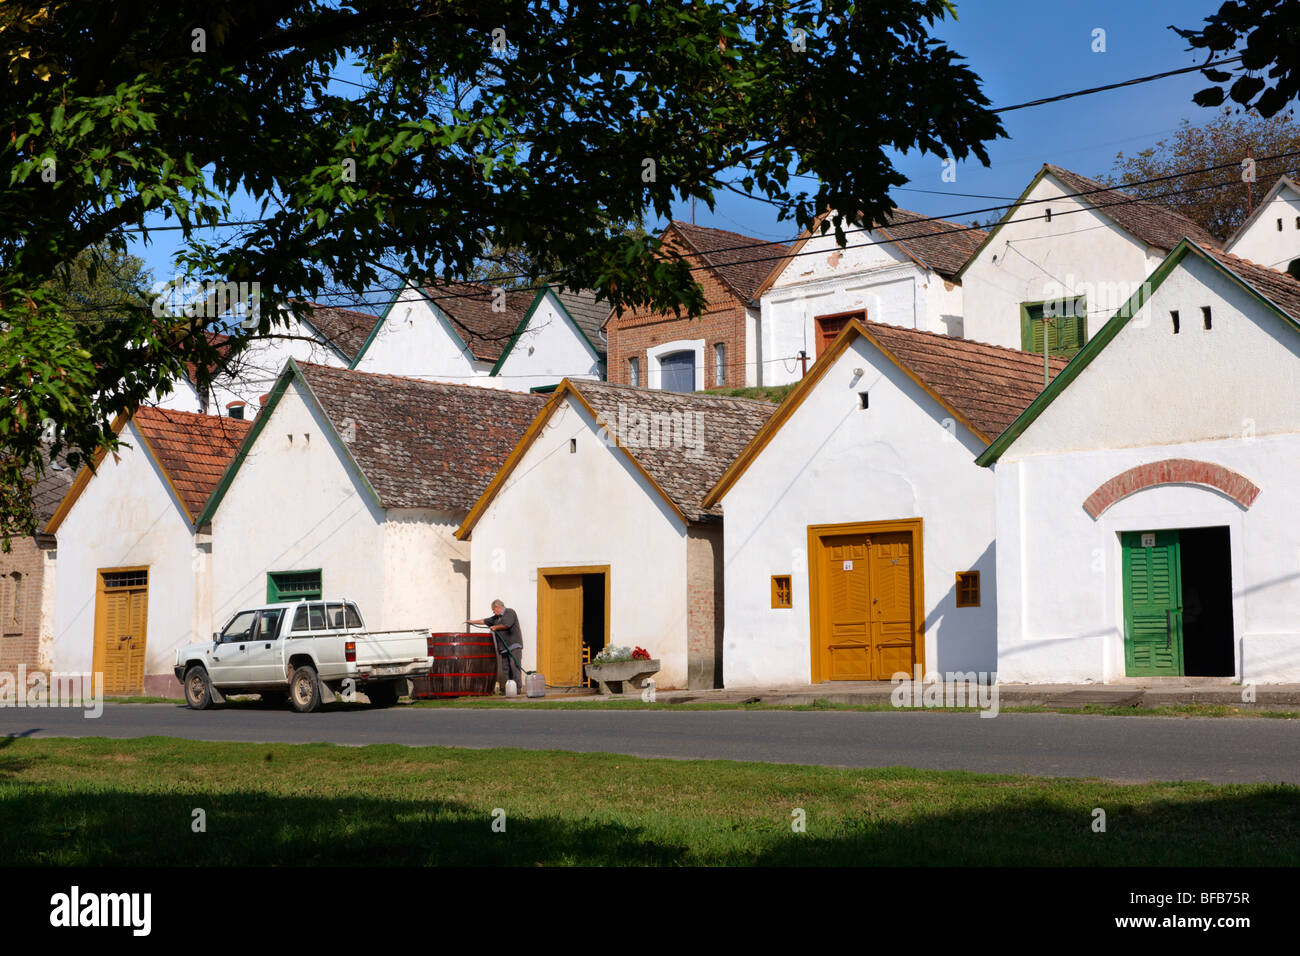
(121, 643)
(564, 630)
(867, 626)
(846, 635)
(893, 635)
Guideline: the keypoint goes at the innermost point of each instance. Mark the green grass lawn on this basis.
(91, 801)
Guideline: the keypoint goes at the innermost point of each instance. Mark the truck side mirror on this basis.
(216, 637)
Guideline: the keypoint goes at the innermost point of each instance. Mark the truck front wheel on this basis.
(198, 688)
(304, 689)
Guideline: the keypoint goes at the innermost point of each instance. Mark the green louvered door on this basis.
(1153, 604)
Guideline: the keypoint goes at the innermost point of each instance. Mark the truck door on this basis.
(230, 656)
(265, 665)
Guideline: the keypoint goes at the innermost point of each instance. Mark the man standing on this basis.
(504, 623)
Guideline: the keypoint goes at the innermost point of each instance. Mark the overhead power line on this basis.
(1137, 80)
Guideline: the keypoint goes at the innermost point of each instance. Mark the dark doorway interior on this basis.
(593, 617)
(1207, 602)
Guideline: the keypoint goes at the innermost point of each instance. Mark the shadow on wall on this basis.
(958, 644)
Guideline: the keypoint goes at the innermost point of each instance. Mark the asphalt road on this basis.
(1118, 748)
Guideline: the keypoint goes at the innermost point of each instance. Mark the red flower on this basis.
(641, 654)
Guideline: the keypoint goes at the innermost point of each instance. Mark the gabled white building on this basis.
(1069, 253)
(1147, 500)
(594, 532)
(327, 336)
(1271, 235)
(468, 334)
(903, 274)
(859, 530)
(351, 485)
(132, 571)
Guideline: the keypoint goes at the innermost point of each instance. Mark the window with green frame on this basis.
(1065, 321)
(293, 586)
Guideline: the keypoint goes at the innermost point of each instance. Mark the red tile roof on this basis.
(193, 450)
(344, 329)
(742, 262)
(938, 244)
(989, 385)
(1278, 287)
(49, 489)
(1154, 224)
(684, 465)
(469, 307)
(422, 444)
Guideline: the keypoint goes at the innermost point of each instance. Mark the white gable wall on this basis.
(1149, 386)
(416, 340)
(588, 507)
(297, 506)
(1263, 241)
(549, 349)
(826, 279)
(833, 462)
(1227, 396)
(127, 516)
(1079, 252)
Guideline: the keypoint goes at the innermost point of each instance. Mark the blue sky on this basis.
(1022, 50)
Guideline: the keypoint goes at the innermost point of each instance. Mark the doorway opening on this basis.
(572, 622)
(593, 619)
(1207, 602)
(1178, 603)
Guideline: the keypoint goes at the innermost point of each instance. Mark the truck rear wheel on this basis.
(382, 695)
(198, 688)
(304, 689)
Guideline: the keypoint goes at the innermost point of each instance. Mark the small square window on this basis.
(968, 589)
(782, 593)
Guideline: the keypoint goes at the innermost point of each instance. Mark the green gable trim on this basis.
(291, 371)
(544, 389)
(1001, 222)
(519, 329)
(528, 317)
(375, 332)
(1108, 331)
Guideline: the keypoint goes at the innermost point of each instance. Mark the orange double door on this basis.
(866, 601)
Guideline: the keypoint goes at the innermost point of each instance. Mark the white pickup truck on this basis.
(309, 651)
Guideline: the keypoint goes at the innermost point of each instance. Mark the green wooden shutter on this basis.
(1153, 620)
(293, 586)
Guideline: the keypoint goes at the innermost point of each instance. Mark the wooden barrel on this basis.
(464, 665)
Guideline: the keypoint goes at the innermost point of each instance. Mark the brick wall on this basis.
(723, 321)
(704, 606)
(20, 625)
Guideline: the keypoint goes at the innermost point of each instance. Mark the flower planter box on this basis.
(615, 678)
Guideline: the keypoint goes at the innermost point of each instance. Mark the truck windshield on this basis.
(240, 628)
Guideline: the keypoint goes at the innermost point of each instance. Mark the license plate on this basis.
(385, 670)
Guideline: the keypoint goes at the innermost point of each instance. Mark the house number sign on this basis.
(1148, 540)
(848, 565)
